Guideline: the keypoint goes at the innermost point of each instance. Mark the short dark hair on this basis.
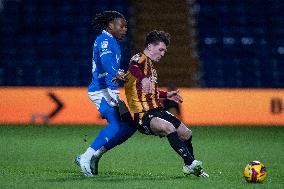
(156, 36)
(102, 20)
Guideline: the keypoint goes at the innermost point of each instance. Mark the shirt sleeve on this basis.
(136, 66)
(162, 94)
(107, 56)
(135, 71)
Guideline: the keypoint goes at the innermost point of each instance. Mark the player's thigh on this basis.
(161, 127)
(169, 122)
(110, 113)
(184, 132)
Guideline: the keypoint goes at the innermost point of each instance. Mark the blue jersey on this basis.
(106, 62)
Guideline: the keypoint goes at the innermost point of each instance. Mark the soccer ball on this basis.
(255, 172)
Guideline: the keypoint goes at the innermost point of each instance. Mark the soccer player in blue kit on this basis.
(110, 26)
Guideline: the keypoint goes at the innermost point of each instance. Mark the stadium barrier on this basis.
(27, 105)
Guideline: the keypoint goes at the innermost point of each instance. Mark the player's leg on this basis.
(127, 127)
(126, 130)
(111, 114)
(185, 134)
(107, 133)
(196, 167)
(162, 127)
(163, 123)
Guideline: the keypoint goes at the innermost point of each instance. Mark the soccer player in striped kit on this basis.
(143, 96)
(110, 26)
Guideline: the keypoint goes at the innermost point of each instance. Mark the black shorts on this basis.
(143, 121)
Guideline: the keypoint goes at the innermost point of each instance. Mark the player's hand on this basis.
(120, 76)
(146, 85)
(174, 96)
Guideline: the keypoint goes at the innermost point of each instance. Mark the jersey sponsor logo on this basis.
(154, 78)
(104, 45)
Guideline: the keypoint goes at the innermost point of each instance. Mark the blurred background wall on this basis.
(49, 42)
(226, 56)
(215, 43)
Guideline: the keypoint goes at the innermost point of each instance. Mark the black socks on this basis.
(180, 147)
(189, 146)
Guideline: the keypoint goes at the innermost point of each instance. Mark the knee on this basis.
(114, 128)
(163, 129)
(189, 132)
(168, 128)
(113, 124)
(184, 132)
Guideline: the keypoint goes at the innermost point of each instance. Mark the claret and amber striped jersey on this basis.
(140, 67)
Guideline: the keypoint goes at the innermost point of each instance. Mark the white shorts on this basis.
(111, 96)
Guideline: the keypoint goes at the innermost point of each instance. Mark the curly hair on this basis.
(156, 36)
(102, 20)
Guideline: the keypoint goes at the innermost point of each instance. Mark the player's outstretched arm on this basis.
(175, 96)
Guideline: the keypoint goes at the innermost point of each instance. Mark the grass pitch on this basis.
(42, 157)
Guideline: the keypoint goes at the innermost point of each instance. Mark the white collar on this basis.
(105, 32)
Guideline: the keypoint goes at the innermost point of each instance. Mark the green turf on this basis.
(42, 157)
